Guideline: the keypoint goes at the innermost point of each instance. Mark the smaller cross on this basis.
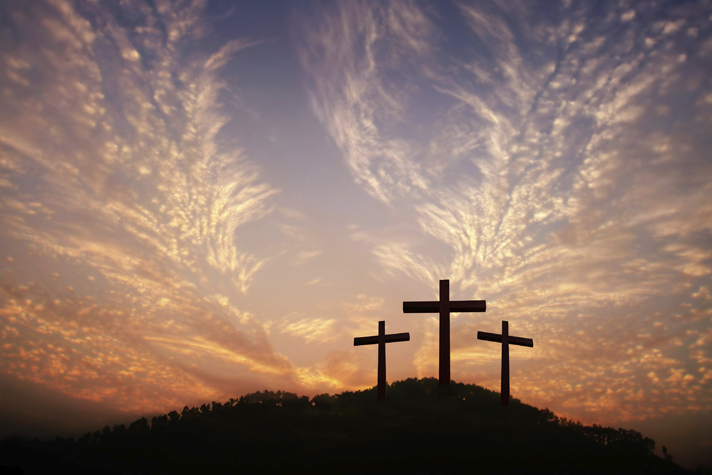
(505, 340)
(381, 339)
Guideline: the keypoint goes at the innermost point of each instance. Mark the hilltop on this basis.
(420, 429)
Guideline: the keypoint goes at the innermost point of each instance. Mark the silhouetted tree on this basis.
(174, 417)
(139, 427)
(189, 413)
(324, 402)
(159, 422)
(667, 456)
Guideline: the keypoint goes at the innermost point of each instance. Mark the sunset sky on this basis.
(204, 199)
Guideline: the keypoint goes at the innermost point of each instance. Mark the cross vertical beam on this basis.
(444, 366)
(381, 339)
(382, 360)
(444, 306)
(504, 391)
(505, 340)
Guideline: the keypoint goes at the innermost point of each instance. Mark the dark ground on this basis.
(419, 429)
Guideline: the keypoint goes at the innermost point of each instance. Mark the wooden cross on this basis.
(505, 340)
(381, 339)
(444, 306)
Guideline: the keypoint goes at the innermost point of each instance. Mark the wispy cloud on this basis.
(361, 44)
(114, 177)
(538, 168)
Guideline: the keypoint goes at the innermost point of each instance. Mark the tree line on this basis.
(420, 428)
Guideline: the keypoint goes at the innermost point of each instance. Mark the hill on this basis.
(420, 429)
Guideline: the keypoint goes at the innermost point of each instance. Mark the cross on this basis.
(444, 306)
(381, 339)
(505, 340)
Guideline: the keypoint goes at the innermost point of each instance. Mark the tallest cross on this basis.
(444, 306)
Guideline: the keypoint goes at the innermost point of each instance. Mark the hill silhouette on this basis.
(420, 429)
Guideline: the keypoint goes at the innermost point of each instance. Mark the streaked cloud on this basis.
(115, 178)
(313, 330)
(536, 167)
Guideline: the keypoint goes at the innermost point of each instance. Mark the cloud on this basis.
(117, 184)
(338, 370)
(393, 35)
(538, 169)
(313, 330)
(304, 256)
(702, 293)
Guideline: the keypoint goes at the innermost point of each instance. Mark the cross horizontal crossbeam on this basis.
(373, 340)
(455, 306)
(513, 340)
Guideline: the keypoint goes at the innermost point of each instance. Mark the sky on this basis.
(201, 199)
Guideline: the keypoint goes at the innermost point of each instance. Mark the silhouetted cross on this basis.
(505, 340)
(381, 339)
(444, 306)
